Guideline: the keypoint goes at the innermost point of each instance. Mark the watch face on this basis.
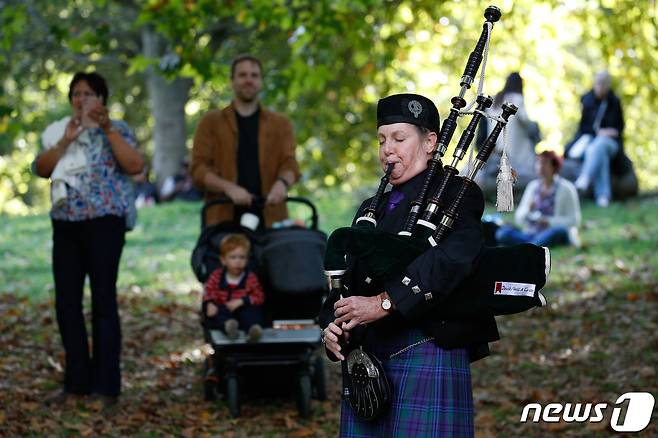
(386, 304)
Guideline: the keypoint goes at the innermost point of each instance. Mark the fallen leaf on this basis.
(647, 372)
(651, 296)
(87, 432)
(205, 416)
(485, 420)
(600, 426)
(76, 426)
(556, 427)
(29, 406)
(303, 432)
(290, 423)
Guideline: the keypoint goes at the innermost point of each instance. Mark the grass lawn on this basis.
(156, 256)
(597, 340)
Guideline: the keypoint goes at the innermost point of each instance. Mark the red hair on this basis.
(554, 158)
(232, 241)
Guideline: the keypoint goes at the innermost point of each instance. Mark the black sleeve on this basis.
(617, 117)
(432, 277)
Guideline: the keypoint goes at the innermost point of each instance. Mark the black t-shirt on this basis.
(248, 171)
(248, 167)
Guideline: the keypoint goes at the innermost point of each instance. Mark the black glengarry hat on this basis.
(408, 108)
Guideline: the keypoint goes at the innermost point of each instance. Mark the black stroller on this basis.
(289, 264)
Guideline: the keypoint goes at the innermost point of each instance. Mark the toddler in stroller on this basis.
(288, 261)
(233, 296)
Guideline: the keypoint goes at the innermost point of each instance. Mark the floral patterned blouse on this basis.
(103, 189)
(544, 203)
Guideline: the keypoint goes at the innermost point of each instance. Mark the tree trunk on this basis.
(167, 101)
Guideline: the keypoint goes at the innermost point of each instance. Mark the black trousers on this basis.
(89, 248)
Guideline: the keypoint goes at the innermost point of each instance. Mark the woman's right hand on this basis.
(331, 334)
(73, 130)
(46, 161)
(239, 195)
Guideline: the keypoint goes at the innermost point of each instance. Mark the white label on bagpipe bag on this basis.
(516, 289)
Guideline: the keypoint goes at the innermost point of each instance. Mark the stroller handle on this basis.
(258, 203)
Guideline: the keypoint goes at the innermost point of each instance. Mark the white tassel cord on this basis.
(505, 181)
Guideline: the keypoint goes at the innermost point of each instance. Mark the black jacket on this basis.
(431, 278)
(612, 118)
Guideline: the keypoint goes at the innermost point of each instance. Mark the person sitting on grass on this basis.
(233, 297)
(549, 211)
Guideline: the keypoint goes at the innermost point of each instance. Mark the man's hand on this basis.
(358, 310)
(239, 195)
(278, 193)
(234, 304)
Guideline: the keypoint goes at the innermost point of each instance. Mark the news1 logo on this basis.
(638, 412)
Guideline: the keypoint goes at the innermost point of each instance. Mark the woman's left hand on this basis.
(358, 310)
(100, 115)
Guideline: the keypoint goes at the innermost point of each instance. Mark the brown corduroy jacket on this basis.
(215, 150)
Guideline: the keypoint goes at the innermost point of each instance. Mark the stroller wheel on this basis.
(232, 396)
(319, 379)
(304, 396)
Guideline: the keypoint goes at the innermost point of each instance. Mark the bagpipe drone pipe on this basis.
(361, 258)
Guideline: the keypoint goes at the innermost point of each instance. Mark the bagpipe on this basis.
(361, 258)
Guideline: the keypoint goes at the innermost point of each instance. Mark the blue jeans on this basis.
(509, 235)
(596, 165)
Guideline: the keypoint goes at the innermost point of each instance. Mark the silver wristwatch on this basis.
(386, 304)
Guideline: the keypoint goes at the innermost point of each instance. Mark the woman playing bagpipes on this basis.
(426, 358)
(413, 291)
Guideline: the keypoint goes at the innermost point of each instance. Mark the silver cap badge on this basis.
(415, 107)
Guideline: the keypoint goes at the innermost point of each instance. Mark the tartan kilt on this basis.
(432, 394)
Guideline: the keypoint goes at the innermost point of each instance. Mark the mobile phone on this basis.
(89, 103)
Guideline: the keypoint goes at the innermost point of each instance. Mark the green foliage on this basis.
(326, 64)
(19, 188)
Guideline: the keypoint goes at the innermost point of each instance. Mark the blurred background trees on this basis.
(326, 63)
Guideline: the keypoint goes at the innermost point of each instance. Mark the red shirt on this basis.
(219, 291)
